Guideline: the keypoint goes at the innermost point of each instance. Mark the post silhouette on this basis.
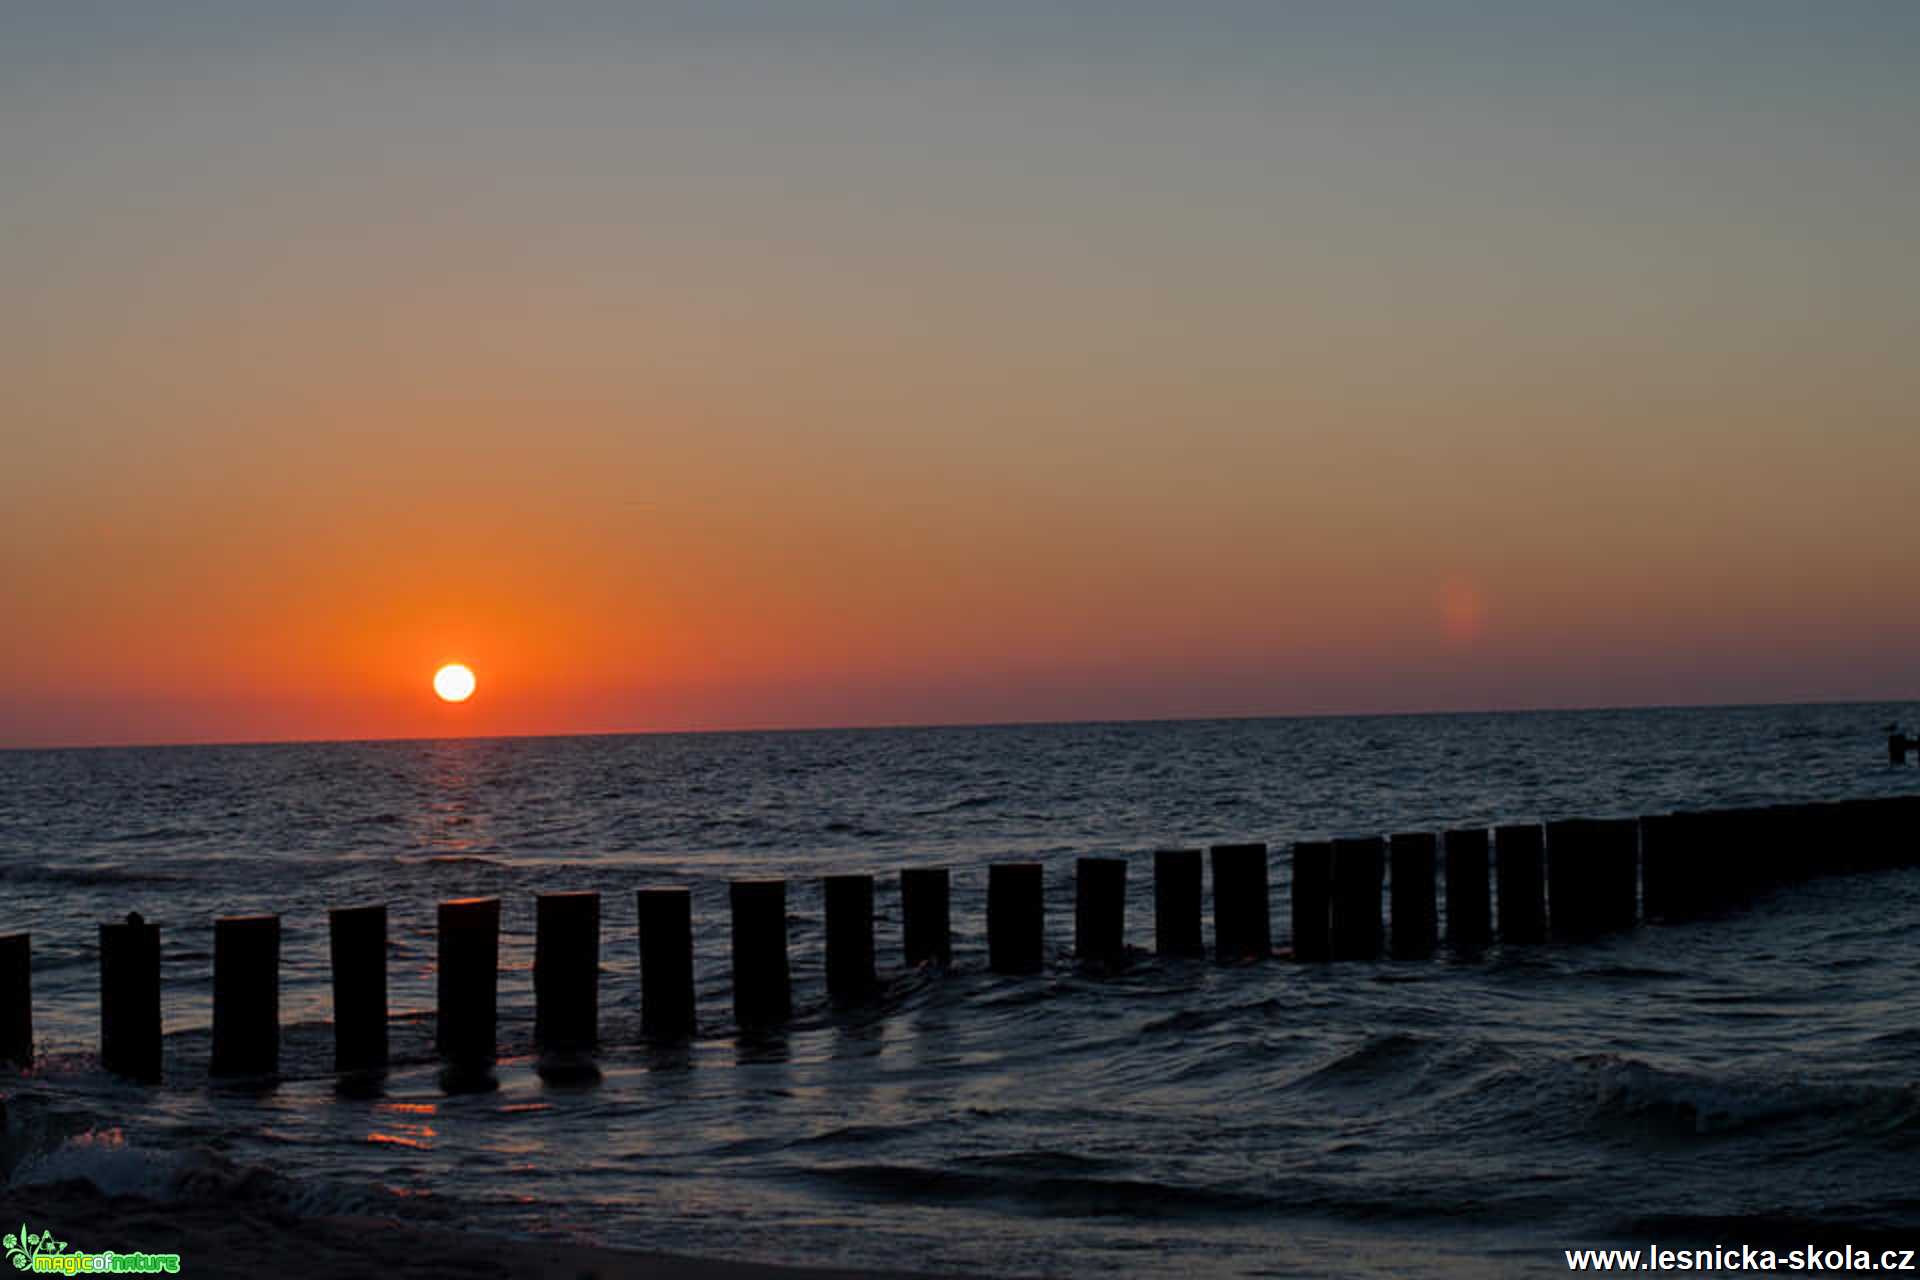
(926, 929)
(16, 999)
(130, 999)
(1469, 904)
(1100, 911)
(1016, 917)
(762, 981)
(357, 942)
(665, 926)
(1593, 876)
(1359, 868)
(849, 924)
(469, 981)
(1176, 903)
(246, 996)
(1415, 914)
(1242, 915)
(1519, 857)
(1311, 900)
(566, 972)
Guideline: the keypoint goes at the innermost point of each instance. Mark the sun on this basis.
(453, 682)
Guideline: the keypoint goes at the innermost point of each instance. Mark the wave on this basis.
(104, 1159)
(1004, 1180)
(87, 877)
(1611, 1094)
(157, 834)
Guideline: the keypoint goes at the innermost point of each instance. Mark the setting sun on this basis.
(453, 682)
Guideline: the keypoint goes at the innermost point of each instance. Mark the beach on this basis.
(234, 1240)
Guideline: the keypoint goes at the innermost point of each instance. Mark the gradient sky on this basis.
(780, 363)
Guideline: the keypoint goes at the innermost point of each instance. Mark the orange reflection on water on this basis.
(421, 1139)
(417, 1136)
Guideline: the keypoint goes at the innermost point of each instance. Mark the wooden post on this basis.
(469, 980)
(1176, 903)
(1416, 923)
(1795, 840)
(849, 923)
(566, 971)
(762, 982)
(16, 999)
(1242, 915)
(1100, 911)
(1909, 852)
(357, 940)
(665, 927)
(1311, 900)
(926, 930)
(1659, 866)
(1469, 906)
(1685, 856)
(1593, 881)
(130, 999)
(246, 996)
(1518, 854)
(1359, 868)
(1572, 894)
(1736, 857)
(1619, 874)
(1016, 919)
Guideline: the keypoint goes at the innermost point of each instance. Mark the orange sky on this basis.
(718, 386)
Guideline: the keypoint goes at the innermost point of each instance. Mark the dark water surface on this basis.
(1742, 1079)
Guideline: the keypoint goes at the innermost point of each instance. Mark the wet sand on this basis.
(234, 1239)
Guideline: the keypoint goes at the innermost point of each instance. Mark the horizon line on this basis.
(1575, 709)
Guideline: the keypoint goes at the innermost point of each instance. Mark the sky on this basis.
(765, 363)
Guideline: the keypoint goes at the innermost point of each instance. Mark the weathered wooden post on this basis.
(849, 924)
(1519, 864)
(130, 999)
(1016, 920)
(1176, 903)
(1100, 911)
(1661, 859)
(16, 999)
(762, 982)
(1571, 895)
(357, 941)
(1797, 841)
(468, 981)
(1242, 914)
(1311, 900)
(1416, 917)
(1619, 874)
(664, 923)
(1739, 861)
(1469, 903)
(1593, 882)
(1359, 867)
(566, 971)
(246, 996)
(1909, 808)
(926, 930)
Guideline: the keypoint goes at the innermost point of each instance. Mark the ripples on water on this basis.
(1682, 1085)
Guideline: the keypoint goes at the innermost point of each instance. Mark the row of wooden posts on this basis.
(1574, 879)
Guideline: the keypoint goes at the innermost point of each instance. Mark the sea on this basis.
(1750, 1079)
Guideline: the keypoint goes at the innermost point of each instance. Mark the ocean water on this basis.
(1753, 1079)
